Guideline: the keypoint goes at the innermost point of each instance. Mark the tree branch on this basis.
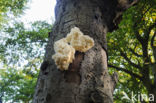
(145, 43)
(138, 36)
(152, 40)
(140, 39)
(147, 32)
(129, 61)
(153, 46)
(133, 3)
(126, 71)
(136, 54)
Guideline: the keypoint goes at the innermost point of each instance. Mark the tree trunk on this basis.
(151, 91)
(87, 80)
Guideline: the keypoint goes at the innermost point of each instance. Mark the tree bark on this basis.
(87, 80)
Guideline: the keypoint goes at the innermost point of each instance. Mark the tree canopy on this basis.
(131, 49)
(20, 61)
(10, 9)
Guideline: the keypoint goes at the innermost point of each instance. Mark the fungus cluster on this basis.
(65, 48)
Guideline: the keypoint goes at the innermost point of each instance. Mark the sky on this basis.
(39, 10)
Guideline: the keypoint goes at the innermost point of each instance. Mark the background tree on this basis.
(21, 40)
(17, 85)
(131, 50)
(88, 81)
(21, 54)
(10, 9)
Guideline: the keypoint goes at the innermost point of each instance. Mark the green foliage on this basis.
(19, 40)
(21, 54)
(129, 49)
(11, 7)
(17, 84)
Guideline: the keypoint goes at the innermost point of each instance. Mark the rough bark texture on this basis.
(87, 80)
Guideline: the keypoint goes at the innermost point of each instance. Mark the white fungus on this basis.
(65, 48)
